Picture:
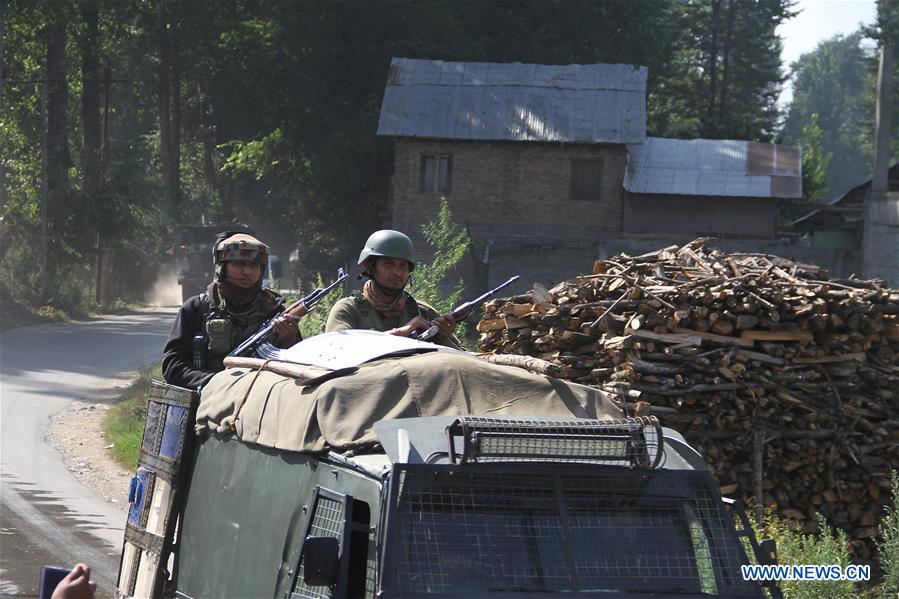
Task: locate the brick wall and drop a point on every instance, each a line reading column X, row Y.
column 516, row 186
column 516, row 194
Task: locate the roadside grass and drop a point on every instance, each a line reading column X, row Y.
column 124, row 422
column 14, row 315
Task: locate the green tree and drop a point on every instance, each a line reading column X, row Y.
column 828, row 87
column 814, row 162
column 725, row 76
column 814, row 170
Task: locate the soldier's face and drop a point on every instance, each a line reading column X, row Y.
column 391, row 273
column 242, row 273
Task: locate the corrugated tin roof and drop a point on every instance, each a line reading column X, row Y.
column 714, row 167
column 599, row 103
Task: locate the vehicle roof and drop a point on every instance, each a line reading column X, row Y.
column 338, row 412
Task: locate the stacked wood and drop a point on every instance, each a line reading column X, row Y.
column 787, row 381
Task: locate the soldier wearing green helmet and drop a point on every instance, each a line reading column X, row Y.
column 383, row 304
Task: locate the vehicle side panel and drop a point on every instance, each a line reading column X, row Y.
column 245, row 516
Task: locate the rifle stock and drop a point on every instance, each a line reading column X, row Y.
column 299, row 308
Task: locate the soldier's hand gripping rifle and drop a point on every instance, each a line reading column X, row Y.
column 299, row 308
column 462, row 311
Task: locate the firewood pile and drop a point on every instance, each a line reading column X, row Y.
column 785, row 380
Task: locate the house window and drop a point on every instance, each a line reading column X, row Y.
column 586, row 179
column 436, row 173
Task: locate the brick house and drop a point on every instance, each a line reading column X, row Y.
column 543, row 165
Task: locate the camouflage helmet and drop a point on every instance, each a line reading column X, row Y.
column 389, row 244
column 239, row 246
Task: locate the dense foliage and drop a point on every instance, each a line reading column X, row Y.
column 161, row 112
column 834, row 85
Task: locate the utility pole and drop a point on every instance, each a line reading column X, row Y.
column 882, row 118
column 881, row 225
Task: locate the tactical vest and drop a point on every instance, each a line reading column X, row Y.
column 225, row 330
column 371, row 319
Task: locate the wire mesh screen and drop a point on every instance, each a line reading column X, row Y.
column 635, row 442
column 553, row 532
column 327, row 521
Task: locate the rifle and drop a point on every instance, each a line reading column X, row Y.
column 463, row 310
column 299, row 308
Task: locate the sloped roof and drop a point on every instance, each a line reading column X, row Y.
column 598, row 103
column 830, row 217
column 714, row 167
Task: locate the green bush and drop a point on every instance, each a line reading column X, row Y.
column 888, row 546
column 823, row 548
column 314, row 322
column 449, row 243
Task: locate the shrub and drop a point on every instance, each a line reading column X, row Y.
column 823, row 548
column 888, row 546
column 450, row 244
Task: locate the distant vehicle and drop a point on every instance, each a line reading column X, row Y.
column 195, row 261
column 363, row 465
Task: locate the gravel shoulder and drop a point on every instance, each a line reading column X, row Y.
column 77, row 433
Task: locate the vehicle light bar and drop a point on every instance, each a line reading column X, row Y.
column 630, row 442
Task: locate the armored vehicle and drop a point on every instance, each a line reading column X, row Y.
column 358, row 464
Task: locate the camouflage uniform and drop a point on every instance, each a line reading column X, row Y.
column 355, row 312
column 223, row 324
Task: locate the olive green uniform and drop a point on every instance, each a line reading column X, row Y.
column 355, row 312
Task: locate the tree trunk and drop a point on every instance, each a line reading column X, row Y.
column 90, row 124
column 90, row 103
column 713, row 58
column 166, row 137
column 725, row 61
column 175, row 87
column 207, row 134
column 58, row 158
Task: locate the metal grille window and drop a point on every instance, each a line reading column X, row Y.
column 347, row 520
column 473, row 530
column 586, row 179
column 327, row 521
column 436, row 173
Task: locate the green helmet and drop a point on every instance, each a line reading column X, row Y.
column 389, row 244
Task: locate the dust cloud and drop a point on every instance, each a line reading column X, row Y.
column 165, row 291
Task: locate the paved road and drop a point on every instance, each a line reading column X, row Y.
column 46, row 515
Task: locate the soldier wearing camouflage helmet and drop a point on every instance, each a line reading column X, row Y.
column 384, row 305
column 208, row 326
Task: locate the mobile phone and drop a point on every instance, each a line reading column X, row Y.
column 50, row 577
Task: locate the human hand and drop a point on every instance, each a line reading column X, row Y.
column 76, row 585
column 446, row 326
column 286, row 328
column 416, row 324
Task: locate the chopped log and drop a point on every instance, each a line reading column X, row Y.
column 535, row 365
column 802, row 336
column 856, row 357
column 666, row 337
column 722, row 346
column 742, row 342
